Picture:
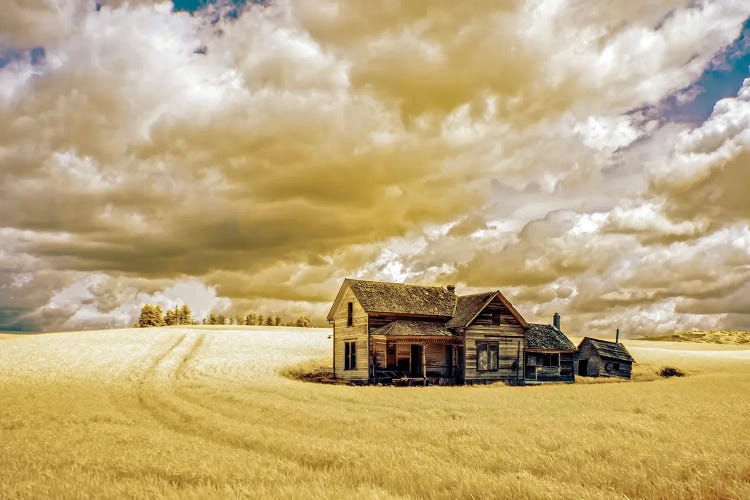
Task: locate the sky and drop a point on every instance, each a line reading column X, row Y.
column 586, row 159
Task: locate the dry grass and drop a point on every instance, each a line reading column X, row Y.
column 7, row 336
column 196, row 413
column 707, row 336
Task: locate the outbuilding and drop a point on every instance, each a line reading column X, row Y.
column 603, row 358
column 550, row 355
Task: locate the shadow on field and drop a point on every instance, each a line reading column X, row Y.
column 320, row 371
column 316, row 370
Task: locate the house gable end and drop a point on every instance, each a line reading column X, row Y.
column 497, row 295
column 338, row 300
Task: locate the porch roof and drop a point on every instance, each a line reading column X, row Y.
column 407, row 328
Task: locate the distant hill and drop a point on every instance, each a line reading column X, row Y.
column 706, row 337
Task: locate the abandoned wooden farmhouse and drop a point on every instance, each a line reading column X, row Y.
column 603, row 358
column 384, row 332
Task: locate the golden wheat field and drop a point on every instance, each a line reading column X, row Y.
column 202, row 412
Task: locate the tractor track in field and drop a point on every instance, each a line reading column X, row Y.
column 159, row 396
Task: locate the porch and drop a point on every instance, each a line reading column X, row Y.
column 549, row 366
column 416, row 360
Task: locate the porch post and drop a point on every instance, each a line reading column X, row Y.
column 424, row 363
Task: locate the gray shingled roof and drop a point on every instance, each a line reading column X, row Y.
column 547, row 337
column 398, row 298
column 407, row 328
column 608, row 349
column 467, row 307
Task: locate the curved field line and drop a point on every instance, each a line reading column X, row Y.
column 176, row 416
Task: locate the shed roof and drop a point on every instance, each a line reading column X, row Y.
column 399, row 298
column 608, row 349
column 547, row 337
column 408, row 328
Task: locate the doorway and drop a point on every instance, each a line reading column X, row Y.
column 416, row 360
column 583, row 367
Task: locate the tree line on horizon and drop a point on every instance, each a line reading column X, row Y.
column 154, row 315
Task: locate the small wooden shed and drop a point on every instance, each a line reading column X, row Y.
column 550, row 355
column 603, row 358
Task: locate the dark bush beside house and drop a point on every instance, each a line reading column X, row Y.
column 669, row 371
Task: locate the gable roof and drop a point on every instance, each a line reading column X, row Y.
column 399, row 298
column 468, row 307
column 608, row 349
column 408, row 328
column 547, row 337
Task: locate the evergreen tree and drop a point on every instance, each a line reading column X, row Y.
column 260, row 320
column 159, row 316
column 171, row 318
column 303, row 321
column 146, row 317
column 278, row 321
column 251, row 319
column 186, row 315
column 269, row 320
column 221, row 319
column 213, row 319
column 150, row 316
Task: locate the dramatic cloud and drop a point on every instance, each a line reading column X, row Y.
column 252, row 157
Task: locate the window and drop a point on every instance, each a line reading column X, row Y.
column 487, row 356
column 551, row 359
column 495, row 317
column 350, row 314
column 350, row 355
column 612, row 367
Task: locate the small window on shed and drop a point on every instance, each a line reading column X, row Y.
column 612, row 367
column 350, row 314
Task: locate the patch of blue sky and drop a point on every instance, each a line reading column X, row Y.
column 36, row 55
column 722, row 78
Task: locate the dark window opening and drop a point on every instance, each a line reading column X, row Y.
column 550, row 360
column 496, row 317
column 488, row 354
column 350, row 355
column 612, row 367
column 390, row 356
column 350, row 314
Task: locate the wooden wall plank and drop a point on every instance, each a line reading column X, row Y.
column 357, row 333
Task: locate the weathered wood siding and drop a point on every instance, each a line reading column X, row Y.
column 510, row 337
column 435, row 356
column 587, row 352
column 535, row 372
column 597, row 365
column 623, row 370
column 357, row 333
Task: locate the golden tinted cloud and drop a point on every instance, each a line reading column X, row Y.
column 270, row 154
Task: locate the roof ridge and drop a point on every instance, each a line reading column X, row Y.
column 477, row 293
column 397, row 283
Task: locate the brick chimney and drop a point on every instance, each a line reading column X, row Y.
column 556, row 321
